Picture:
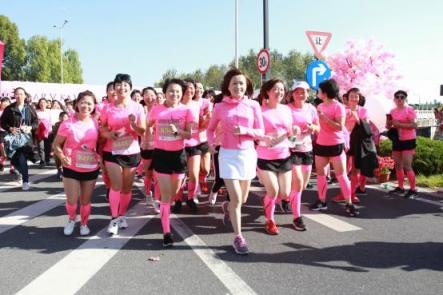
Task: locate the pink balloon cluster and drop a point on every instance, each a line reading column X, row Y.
column 364, row 64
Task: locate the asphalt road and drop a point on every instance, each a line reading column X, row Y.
column 395, row 246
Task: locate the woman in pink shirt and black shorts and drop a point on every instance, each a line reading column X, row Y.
column 330, row 146
column 75, row 145
column 242, row 123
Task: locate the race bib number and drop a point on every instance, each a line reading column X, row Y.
column 121, row 145
column 86, row 160
column 165, row 134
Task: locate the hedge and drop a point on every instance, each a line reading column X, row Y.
column 428, row 159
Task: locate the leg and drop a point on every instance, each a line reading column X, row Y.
column 270, row 182
column 114, row 172
column 86, row 190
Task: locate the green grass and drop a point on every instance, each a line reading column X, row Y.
column 433, row 181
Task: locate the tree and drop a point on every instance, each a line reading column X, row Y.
column 15, row 54
column 72, row 69
column 37, row 66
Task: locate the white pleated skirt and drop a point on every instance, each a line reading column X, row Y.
column 237, row 164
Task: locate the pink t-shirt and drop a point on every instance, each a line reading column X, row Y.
column 302, row 117
column 163, row 118
column 205, row 107
column 116, row 118
column 350, row 119
column 405, row 115
column 327, row 135
column 277, row 122
column 194, row 106
column 80, row 144
column 245, row 113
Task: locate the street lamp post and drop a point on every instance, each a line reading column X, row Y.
column 61, row 47
column 236, row 33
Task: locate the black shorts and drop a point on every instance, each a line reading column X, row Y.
column 328, row 150
column 146, row 154
column 126, row 161
column 169, row 162
column 302, row 158
column 80, row 176
column 404, row 145
column 278, row 166
column 197, row 150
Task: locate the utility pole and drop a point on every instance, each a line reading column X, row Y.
column 61, row 47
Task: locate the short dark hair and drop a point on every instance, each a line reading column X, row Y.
column 38, row 103
column 149, row 88
column 361, row 98
column 83, row 94
column 111, row 83
column 268, row 86
column 330, row 88
column 174, row 81
column 5, row 98
column 227, row 79
column 208, row 92
column 135, row 91
column 62, row 114
column 120, row 78
column 401, row 92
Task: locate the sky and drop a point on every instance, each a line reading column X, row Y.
column 146, row 38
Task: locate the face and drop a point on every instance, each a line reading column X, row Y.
column 190, row 90
column 136, row 97
column 122, row 89
column 149, row 97
column 20, row 95
column 4, row 104
column 277, row 92
column 69, row 106
column 160, row 98
column 353, row 99
column 237, row 86
column 42, row 104
column 400, row 100
column 300, row 94
column 322, row 95
column 110, row 93
column 199, row 90
column 64, row 118
column 86, row 105
column 56, row 105
column 173, row 94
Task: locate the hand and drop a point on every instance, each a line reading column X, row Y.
column 25, row 129
column 13, row 130
column 296, row 130
column 237, row 130
column 268, row 140
column 112, row 134
column 310, row 127
column 66, row 161
column 395, row 123
column 173, row 128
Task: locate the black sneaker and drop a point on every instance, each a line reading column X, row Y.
column 177, row 206
column 358, row 191
column 411, row 194
column 397, row 191
column 167, row 240
column 309, row 185
column 2, row 168
column 284, row 206
column 298, row 224
column 192, row 206
column 351, row 210
column 319, row 206
column 41, row 165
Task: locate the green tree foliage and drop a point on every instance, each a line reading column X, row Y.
column 38, row 59
column 287, row 68
column 14, row 53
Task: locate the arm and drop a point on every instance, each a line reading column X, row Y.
column 57, row 147
column 258, row 129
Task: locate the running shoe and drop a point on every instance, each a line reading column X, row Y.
column 411, row 194
column 192, row 206
column 319, row 206
column 156, row 205
column 397, row 191
column 359, row 191
column 113, row 226
column 298, row 224
column 26, row 186
column 355, row 199
column 338, row 198
column 122, row 222
column 84, row 230
column 69, row 227
column 177, row 206
column 271, row 228
column 204, row 187
column 212, row 198
column 167, row 240
column 240, row 246
column 351, row 210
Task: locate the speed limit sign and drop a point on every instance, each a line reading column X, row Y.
column 263, row 61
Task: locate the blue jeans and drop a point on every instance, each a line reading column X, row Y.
column 21, row 164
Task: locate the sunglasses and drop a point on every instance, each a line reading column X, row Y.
column 400, row 96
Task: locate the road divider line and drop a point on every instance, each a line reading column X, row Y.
column 221, row 270
column 330, row 221
column 33, row 178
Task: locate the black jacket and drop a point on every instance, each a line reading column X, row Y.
column 12, row 117
column 363, row 148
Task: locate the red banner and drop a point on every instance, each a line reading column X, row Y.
column 2, row 47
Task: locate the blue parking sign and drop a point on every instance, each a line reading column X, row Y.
column 316, row 72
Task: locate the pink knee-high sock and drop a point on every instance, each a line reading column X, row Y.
column 362, row 182
column 345, row 185
column 114, row 202
column 411, row 178
column 354, row 182
column 125, row 199
column 269, row 207
column 85, row 211
column 400, row 177
column 295, row 204
column 72, row 210
column 322, row 187
column 165, row 211
column 192, row 189
column 147, row 181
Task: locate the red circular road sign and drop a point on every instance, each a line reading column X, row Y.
column 263, row 61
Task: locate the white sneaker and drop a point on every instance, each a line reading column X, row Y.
column 26, row 186
column 156, row 205
column 212, row 198
column 148, row 196
column 69, row 227
column 113, row 226
column 84, row 230
column 122, row 222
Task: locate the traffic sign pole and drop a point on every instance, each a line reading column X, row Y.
column 266, row 76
